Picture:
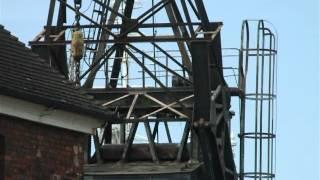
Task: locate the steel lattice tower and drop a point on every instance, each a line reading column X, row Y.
column 152, row 66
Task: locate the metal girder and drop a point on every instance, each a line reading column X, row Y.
column 141, row 26
column 145, row 16
column 97, row 147
column 184, row 141
column 200, row 69
column 97, row 64
column 154, row 106
column 194, row 9
column 158, row 63
column 121, row 98
column 102, row 45
column 51, row 12
column 202, row 14
column 169, row 94
column 113, row 10
column 132, row 133
column 168, row 132
column 188, row 18
column 150, row 120
column 169, row 56
column 151, row 142
column 166, row 106
column 210, row 142
column 89, row 19
column 131, row 39
column 122, row 126
column 201, row 116
column 179, row 31
column 120, row 50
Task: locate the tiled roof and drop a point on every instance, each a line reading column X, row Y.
column 24, row 75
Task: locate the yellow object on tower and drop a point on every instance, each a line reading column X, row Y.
column 77, row 45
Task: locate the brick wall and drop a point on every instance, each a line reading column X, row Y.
column 38, row 152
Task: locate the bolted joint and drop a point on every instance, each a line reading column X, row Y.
column 201, row 123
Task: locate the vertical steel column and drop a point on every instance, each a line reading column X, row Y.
column 201, row 60
column 202, row 89
column 51, row 12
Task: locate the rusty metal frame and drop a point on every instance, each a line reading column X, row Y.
column 207, row 124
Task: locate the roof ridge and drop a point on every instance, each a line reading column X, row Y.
column 15, row 38
column 35, row 55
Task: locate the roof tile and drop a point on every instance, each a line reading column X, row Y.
column 24, row 75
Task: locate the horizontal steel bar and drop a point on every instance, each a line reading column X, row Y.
column 135, row 120
column 136, row 39
column 188, row 89
column 146, row 25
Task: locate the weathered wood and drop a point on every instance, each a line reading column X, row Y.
column 143, row 170
column 141, row 152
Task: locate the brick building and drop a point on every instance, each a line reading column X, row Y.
column 44, row 120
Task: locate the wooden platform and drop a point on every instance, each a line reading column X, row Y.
column 143, row 171
column 141, row 152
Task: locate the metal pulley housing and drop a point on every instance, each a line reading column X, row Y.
column 77, row 45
